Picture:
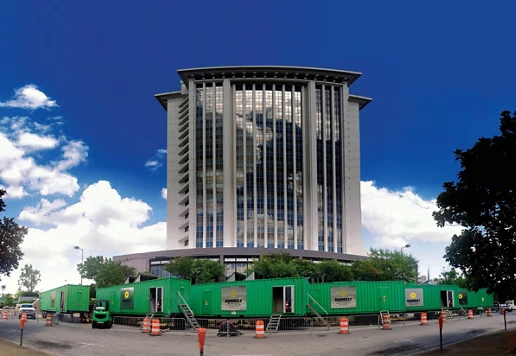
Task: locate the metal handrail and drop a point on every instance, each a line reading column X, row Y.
column 320, row 306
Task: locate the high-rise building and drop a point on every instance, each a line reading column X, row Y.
column 264, row 157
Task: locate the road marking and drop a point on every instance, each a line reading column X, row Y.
column 13, row 331
column 85, row 344
column 255, row 355
column 405, row 340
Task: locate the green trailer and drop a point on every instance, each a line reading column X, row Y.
column 426, row 297
column 160, row 297
column 251, row 299
column 67, row 299
column 357, row 297
column 475, row 300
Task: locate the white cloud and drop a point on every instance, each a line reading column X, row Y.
column 164, row 193
column 395, row 218
column 29, row 97
column 36, row 142
column 154, row 162
column 74, row 153
column 102, row 223
column 20, row 139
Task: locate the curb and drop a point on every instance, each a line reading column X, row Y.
column 30, row 347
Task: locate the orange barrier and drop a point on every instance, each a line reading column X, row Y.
column 4, row 315
column 344, row 326
column 443, row 316
column 470, row 314
column 489, row 312
column 424, row 319
column 146, row 326
column 386, row 322
column 48, row 321
column 155, row 328
column 24, row 316
column 260, row 330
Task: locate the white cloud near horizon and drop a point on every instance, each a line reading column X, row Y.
column 29, row 97
column 164, row 193
column 395, row 218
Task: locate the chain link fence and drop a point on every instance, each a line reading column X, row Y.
column 286, row 324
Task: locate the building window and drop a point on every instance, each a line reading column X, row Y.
column 186, row 242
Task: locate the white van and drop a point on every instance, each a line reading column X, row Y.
column 509, row 305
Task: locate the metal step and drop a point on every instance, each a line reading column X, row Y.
column 319, row 316
column 188, row 313
column 274, row 322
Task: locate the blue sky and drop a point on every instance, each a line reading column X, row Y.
column 439, row 74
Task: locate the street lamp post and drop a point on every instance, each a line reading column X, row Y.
column 406, row 246
column 82, row 257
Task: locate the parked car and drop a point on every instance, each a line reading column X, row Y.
column 29, row 309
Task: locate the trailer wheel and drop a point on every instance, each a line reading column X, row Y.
column 93, row 325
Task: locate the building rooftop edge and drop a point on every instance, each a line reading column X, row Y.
column 349, row 76
column 361, row 100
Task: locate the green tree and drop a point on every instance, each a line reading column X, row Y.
column 29, row 278
column 482, row 200
column 304, row 268
column 204, row 271
column 181, row 267
column 91, row 266
column 275, row 265
column 104, row 271
column 11, row 238
column 9, row 300
column 385, row 265
column 333, row 271
column 453, row 277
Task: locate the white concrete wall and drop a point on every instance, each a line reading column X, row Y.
column 353, row 214
column 173, row 186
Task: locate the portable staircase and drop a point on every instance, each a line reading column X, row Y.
column 449, row 314
column 380, row 316
column 318, row 316
column 274, row 322
column 462, row 311
column 188, row 313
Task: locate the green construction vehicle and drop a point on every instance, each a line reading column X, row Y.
column 101, row 315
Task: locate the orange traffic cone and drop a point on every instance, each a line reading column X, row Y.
column 48, row 321
column 146, row 326
column 386, row 322
column 155, row 328
column 344, row 326
column 260, row 330
column 424, row 321
column 470, row 314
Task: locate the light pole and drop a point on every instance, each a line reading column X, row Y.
column 82, row 257
column 406, row 246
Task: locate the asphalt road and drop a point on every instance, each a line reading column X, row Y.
column 82, row 340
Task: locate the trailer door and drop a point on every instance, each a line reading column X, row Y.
column 206, row 302
column 288, row 299
column 450, row 300
column 62, row 301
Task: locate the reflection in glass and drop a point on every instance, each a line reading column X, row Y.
column 269, row 165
